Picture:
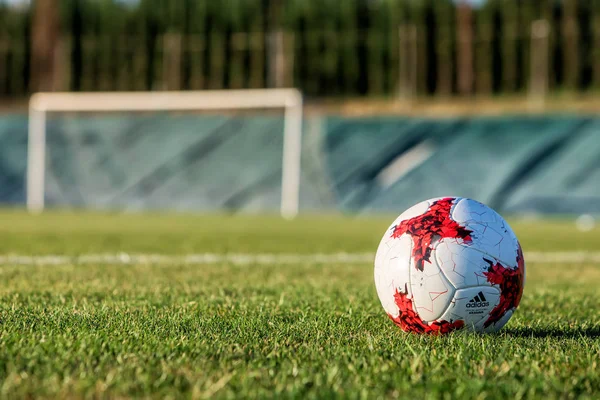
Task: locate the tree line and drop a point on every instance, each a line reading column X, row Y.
column 325, row 47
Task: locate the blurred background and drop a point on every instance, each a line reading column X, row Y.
column 404, row 100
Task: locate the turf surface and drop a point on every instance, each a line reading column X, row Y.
column 305, row 330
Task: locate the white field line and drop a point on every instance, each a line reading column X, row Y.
column 250, row 259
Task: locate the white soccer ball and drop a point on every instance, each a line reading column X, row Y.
column 449, row 263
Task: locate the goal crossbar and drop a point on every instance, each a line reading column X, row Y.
column 290, row 100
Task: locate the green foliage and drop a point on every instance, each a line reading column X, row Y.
column 361, row 59
column 293, row 330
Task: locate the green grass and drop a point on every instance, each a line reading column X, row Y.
column 305, row 330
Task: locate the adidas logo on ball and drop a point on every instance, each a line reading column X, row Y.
column 478, row 301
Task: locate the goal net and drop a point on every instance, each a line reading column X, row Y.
column 166, row 150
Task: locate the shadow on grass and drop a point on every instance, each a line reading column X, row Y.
column 563, row 333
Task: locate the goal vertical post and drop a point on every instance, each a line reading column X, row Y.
column 291, row 166
column 36, row 160
column 288, row 99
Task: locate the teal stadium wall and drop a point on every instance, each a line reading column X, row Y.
column 535, row 164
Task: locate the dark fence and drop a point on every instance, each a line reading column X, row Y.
column 533, row 164
column 324, row 47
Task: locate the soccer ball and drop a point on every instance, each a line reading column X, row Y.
column 449, row 263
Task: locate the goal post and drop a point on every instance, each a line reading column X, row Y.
column 290, row 100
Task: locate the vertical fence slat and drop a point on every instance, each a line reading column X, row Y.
column 3, row 66
column 313, row 82
column 257, row 59
column 375, row 63
column 526, row 18
column 106, row 79
column 538, row 81
column 197, row 49
column 420, row 50
column 172, row 54
column 444, row 46
column 394, row 18
column 349, row 43
column 217, row 60
column 509, row 42
column 570, row 34
column 157, row 73
column 20, row 66
column 464, row 30
column 276, row 55
column 238, row 47
column 62, row 69
column 330, row 58
column 140, row 68
column 595, row 56
column 375, row 47
column 409, row 62
column 88, row 46
column 548, row 15
column 483, row 52
column 290, row 60
column 123, row 78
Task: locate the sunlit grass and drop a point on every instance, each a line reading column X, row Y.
column 304, row 330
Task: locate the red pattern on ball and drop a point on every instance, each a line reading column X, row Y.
column 435, row 222
column 410, row 321
column 511, row 286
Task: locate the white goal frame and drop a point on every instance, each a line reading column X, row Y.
column 288, row 99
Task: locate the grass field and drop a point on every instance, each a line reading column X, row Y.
column 293, row 329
